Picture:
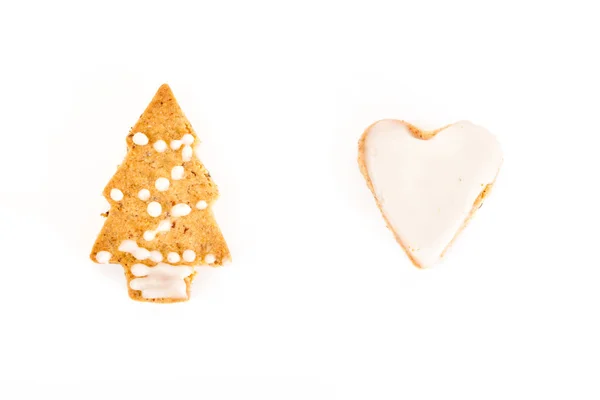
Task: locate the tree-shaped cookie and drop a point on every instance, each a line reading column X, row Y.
column 160, row 224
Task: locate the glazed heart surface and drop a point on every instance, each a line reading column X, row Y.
column 427, row 184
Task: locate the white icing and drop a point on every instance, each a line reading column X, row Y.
column 427, row 188
column 177, row 173
column 201, row 205
column 149, row 235
column 116, row 194
column 163, row 226
column 160, row 146
column 156, row 256
column 144, row 194
column 103, row 257
column 209, row 259
column 180, row 210
column 173, row 257
column 140, row 269
column 141, row 253
column 162, row 184
column 176, row 144
column 131, row 247
column 187, row 153
column 154, row 209
column 161, row 281
column 189, row 255
column 140, row 139
column 128, row 246
column 187, row 139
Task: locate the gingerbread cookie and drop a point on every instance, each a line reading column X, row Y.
column 160, row 225
column 428, row 184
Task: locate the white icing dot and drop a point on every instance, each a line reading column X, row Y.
column 156, row 256
column 177, row 173
column 201, row 205
column 140, row 139
column 141, row 253
column 160, row 146
column 187, row 139
column 116, row 195
column 189, row 255
column 181, row 209
column 128, row 246
column 139, row 270
column 149, row 235
column 154, row 209
column 162, row 184
column 186, row 153
column 103, row 257
column 136, row 284
column 176, row 144
column 144, row 194
column 209, row 259
column 164, row 226
column 173, row 257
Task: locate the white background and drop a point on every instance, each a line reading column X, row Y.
column 319, row 302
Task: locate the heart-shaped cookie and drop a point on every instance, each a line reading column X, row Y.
column 428, row 184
